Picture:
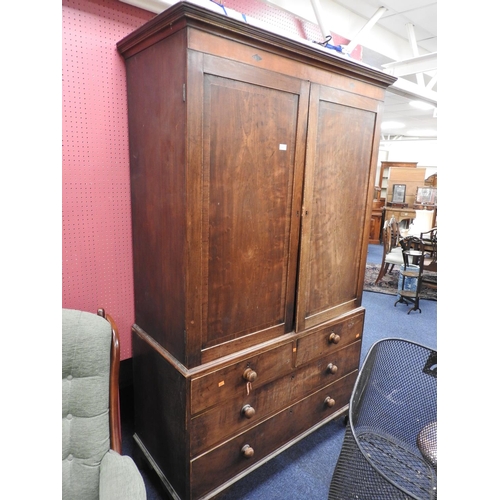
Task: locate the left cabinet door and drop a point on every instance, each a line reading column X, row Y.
column 247, row 204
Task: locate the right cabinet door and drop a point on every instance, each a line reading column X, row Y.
column 339, row 161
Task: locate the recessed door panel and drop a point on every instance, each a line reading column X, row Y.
column 248, row 191
column 339, row 157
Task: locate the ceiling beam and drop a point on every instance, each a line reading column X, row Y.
column 320, row 18
column 155, row 6
column 356, row 40
column 412, row 90
column 410, row 29
column 432, row 82
column 415, row 65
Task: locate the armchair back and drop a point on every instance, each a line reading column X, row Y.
column 86, row 362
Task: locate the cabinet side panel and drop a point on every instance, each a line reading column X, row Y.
column 155, row 78
column 160, row 409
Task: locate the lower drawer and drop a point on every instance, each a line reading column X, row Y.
column 245, row 410
column 214, row 468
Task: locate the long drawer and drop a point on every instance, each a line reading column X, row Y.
column 212, row 469
column 244, row 411
column 328, row 339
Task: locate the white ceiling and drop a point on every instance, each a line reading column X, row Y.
column 406, row 31
column 422, row 14
column 400, row 31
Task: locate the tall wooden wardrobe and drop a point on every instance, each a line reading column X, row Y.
column 252, row 160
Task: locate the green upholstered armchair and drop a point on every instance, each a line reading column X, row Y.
column 92, row 464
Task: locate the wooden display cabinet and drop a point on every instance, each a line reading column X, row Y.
column 384, row 174
column 247, row 150
column 411, row 178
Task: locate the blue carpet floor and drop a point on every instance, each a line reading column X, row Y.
column 304, row 471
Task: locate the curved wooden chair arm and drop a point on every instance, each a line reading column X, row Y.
column 430, row 239
column 431, row 232
column 115, row 430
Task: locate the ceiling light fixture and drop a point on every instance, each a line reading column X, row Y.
column 422, row 133
column 422, row 105
column 387, row 125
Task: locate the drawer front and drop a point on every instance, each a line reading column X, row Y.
column 217, row 424
column 238, row 414
column 221, row 464
column 325, row 370
column 326, row 340
column 229, row 382
column 407, row 213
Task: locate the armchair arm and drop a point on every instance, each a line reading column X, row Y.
column 429, row 235
column 115, row 427
column 120, row 478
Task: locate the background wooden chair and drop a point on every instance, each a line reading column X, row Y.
column 410, row 275
column 395, row 233
column 391, row 255
column 429, row 240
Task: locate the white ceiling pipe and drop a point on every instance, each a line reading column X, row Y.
column 419, row 64
column 320, row 17
column 414, row 47
column 432, row 82
column 155, row 6
column 365, row 29
column 412, row 90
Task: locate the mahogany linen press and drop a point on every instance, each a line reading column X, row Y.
column 252, row 163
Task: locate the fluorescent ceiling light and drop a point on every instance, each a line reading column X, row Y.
column 421, row 105
column 422, row 133
column 386, row 125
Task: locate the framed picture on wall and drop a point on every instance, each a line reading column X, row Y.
column 426, row 196
column 398, row 193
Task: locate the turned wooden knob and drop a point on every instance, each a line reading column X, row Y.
column 334, row 338
column 330, row 402
column 249, row 375
column 332, row 368
column 247, row 411
column 247, row 451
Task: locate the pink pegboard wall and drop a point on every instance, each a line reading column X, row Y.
column 96, row 233
column 96, row 236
